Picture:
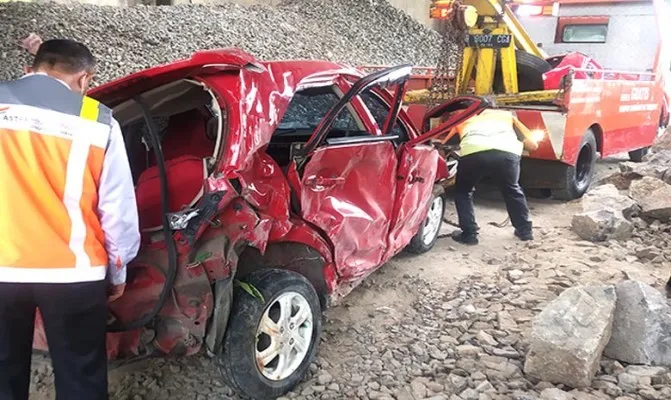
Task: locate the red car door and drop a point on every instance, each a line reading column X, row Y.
column 417, row 170
column 348, row 184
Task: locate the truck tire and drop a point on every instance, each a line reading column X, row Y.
column 637, row 155
column 530, row 70
column 287, row 313
column 428, row 232
column 578, row 177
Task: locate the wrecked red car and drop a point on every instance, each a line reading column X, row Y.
column 266, row 192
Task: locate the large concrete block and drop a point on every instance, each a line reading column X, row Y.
column 654, row 197
column 569, row 335
column 641, row 327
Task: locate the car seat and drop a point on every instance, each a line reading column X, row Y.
column 186, row 135
column 186, row 175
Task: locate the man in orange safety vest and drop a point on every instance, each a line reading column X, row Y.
column 68, row 224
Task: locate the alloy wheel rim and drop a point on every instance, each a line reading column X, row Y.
column 433, row 220
column 284, row 336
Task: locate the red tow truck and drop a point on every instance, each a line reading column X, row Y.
column 579, row 109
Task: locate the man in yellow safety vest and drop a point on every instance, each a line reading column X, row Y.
column 491, row 146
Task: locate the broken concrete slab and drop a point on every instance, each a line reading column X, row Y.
column 656, row 168
column 608, row 197
column 654, row 197
column 556, row 394
column 663, row 142
column 641, row 327
column 569, row 335
column 598, row 226
column 606, row 214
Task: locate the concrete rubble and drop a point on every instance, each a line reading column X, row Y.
column 570, row 334
column 127, row 39
column 634, row 202
column 642, row 326
column 654, row 197
column 606, row 215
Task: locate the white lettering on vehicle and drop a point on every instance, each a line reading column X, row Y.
column 637, row 94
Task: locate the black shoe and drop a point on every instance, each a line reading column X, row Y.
column 464, row 238
column 525, row 237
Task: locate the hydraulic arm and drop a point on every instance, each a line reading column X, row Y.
column 478, row 36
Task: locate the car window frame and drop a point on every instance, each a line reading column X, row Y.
column 397, row 75
column 339, row 93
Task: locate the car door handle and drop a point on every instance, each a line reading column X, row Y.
column 323, row 182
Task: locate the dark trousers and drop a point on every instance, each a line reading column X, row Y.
column 74, row 317
column 504, row 169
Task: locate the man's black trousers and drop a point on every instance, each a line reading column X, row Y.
column 74, row 317
column 504, row 169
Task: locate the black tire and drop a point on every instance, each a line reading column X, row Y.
column 237, row 361
column 578, row 178
column 418, row 244
column 638, row 155
column 530, row 70
column 664, row 120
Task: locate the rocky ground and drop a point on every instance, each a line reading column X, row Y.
column 128, row 39
column 452, row 324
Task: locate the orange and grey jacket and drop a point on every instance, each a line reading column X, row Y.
column 67, row 203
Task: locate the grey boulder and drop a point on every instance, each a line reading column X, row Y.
column 654, row 197
column 642, row 326
column 569, row 335
column 605, row 215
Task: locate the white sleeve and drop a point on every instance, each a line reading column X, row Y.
column 117, row 208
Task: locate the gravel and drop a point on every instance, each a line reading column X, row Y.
column 127, row 39
column 392, row 358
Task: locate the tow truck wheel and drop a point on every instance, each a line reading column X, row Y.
column 428, row 232
column 637, row 155
column 664, row 119
column 272, row 334
column 578, row 178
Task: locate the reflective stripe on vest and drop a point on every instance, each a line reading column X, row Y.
column 490, row 130
column 52, row 148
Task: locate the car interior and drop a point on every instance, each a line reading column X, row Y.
column 189, row 123
column 306, row 110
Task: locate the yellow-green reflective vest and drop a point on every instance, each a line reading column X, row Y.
column 490, row 130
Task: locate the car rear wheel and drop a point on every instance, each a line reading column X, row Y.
column 428, row 232
column 272, row 337
column 578, row 177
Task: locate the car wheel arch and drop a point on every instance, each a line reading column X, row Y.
column 597, row 130
column 292, row 256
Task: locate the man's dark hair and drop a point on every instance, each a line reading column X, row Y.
column 65, row 55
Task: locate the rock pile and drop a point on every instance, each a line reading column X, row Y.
column 633, row 199
column 606, row 214
column 629, row 322
column 128, row 39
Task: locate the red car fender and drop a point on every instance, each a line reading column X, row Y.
column 442, row 173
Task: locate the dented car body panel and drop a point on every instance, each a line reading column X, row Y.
column 333, row 200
